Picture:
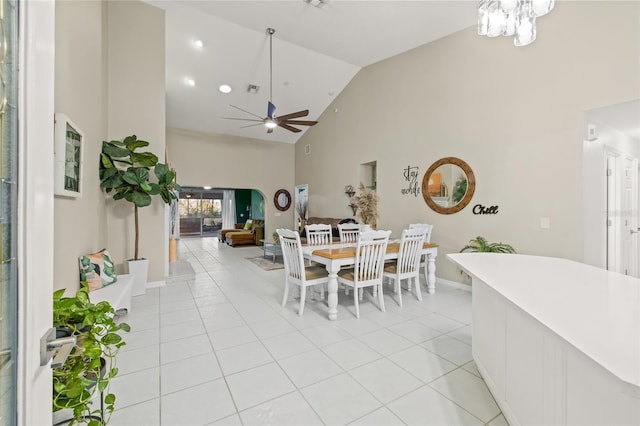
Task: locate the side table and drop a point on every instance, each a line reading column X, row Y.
column 271, row 247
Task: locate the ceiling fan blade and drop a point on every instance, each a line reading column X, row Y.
column 241, row 119
column 250, row 125
column 271, row 109
column 244, row 110
column 289, row 128
column 300, row 122
column 298, row 114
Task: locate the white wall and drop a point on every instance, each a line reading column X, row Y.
column 224, row 161
column 80, row 83
column 515, row 115
column 136, row 105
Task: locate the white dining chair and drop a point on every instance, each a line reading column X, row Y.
column 318, row 234
column 348, row 232
column 407, row 266
column 427, row 239
column 368, row 267
column 295, row 270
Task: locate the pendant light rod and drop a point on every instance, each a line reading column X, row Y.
column 270, row 31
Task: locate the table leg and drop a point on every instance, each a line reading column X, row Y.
column 431, row 274
column 332, row 292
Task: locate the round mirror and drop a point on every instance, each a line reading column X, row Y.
column 448, row 185
column 282, row 200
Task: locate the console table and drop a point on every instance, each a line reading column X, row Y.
column 556, row 341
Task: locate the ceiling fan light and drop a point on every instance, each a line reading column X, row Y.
column 270, row 124
column 224, row 88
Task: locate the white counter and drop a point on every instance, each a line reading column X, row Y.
column 560, row 311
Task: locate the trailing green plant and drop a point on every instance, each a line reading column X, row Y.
column 90, row 366
column 126, row 172
column 481, row 245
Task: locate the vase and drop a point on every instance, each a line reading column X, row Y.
column 140, row 271
column 303, row 222
column 173, row 249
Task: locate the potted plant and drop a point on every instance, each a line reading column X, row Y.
column 90, row 366
column 481, row 245
column 366, row 205
column 126, row 172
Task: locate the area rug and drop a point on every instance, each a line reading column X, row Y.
column 266, row 263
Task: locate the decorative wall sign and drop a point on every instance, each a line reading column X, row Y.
column 67, row 157
column 480, row 209
column 410, row 174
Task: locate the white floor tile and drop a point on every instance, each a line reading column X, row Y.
column 287, row 345
column 450, row 349
column 357, row 326
column 272, row 327
column 243, row 357
column 230, row 337
column 463, row 334
column 290, row 409
column 181, row 331
column 189, row 372
column 233, row 420
column 140, row 322
column 137, row 387
column 143, row 414
column 498, row 421
column 472, row 368
column 423, row 364
column 439, row 322
column 258, row 385
column 468, row 391
column 179, row 317
column 137, row 359
column 340, row 400
column 176, row 350
column 140, row 339
column 324, row 335
column 198, row 405
column 385, row 380
column 425, row 406
column 309, row 367
column 349, row 354
column 381, row 417
column 385, row 341
column 414, row 331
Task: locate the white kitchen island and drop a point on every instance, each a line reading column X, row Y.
column 557, row 341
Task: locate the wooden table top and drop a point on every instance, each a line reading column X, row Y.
column 347, row 252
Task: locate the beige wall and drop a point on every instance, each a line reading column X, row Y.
column 136, row 105
column 515, row 115
column 110, row 82
column 80, row 223
column 225, row 161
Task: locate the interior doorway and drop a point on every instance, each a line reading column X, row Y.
column 611, row 188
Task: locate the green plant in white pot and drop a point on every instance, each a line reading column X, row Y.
column 126, row 172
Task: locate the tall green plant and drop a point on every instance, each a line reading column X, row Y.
column 90, row 366
column 126, row 172
column 480, row 244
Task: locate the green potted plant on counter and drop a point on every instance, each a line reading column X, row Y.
column 481, row 245
column 90, row 366
column 126, row 172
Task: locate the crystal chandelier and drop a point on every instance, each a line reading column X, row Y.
column 512, row 18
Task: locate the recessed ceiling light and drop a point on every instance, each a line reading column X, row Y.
column 207, row 187
column 198, row 44
column 190, row 82
column 225, row 88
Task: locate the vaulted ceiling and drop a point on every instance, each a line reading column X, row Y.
column 317, row 49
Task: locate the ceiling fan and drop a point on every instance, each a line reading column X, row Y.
column 271, row 121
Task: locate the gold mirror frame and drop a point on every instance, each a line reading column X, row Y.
column 471, row 186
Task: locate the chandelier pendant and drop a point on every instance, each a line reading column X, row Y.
column 512, row 18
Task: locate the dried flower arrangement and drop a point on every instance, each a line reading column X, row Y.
column 367, row 205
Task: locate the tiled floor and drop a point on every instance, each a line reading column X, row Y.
column 215, row 346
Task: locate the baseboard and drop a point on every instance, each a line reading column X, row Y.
column 454, row 284
column 154, row 284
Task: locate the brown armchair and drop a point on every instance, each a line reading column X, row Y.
column 241, row 236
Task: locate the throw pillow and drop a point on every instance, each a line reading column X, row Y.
column 97, row 270
column 247, row 225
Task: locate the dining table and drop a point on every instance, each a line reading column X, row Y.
column 338, row 255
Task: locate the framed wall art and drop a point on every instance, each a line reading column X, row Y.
column 68, row 150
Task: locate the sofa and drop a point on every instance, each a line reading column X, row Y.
column 240, row 235
column 325, row 220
